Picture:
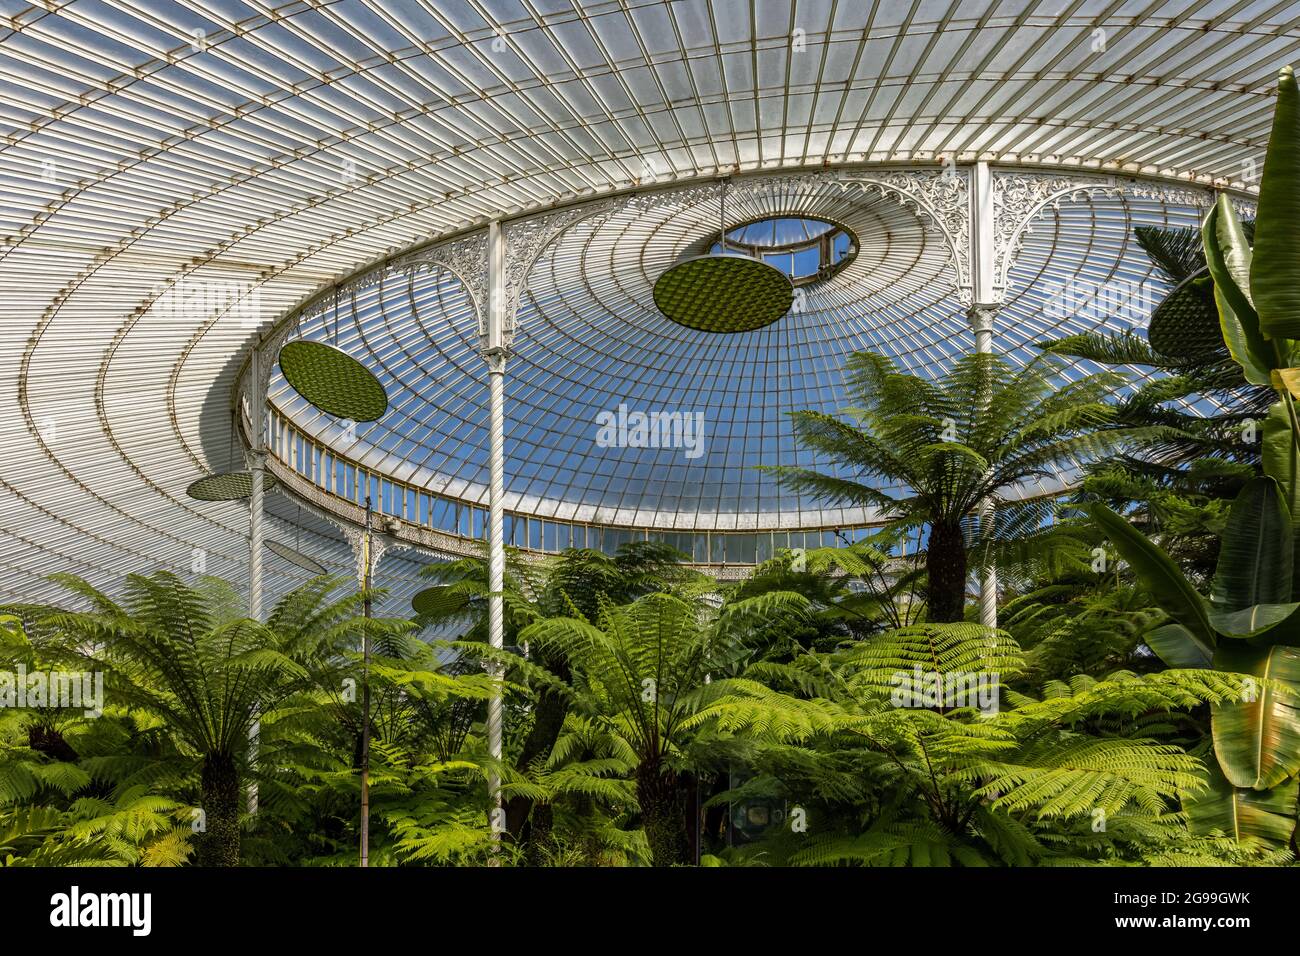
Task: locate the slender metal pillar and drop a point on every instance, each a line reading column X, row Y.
column 367, row 551
column 982, row 322
column 495, row 353
column 256, row 546
column 985, row 296
column 496, row 562
column 366, row 567
column 257, row 470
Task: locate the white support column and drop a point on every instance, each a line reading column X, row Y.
column 256, row 534
column 256, row 546
column 982, row 323
column 257, row 470
column 982, row 259
column 495, row 352
column 985, row 300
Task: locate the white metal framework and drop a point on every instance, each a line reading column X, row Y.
column 179, row 176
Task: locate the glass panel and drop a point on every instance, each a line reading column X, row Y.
column 741, row 548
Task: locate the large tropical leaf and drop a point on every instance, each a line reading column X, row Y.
column 1256, row 550
column 1253, row 621
column 1290, row 378
column 1282, row 462
column 1229, row 257
column 1267, row 815
column 1243, row 350
column 1275, row 270
column 1257, row 740
column 1280, row 457
column 1167, row 584
column 1179, row 647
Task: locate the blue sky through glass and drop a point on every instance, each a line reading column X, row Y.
column 796, row 242
column 590, row 342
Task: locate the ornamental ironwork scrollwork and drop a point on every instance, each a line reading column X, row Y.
column 465, row 257
column 1019, row 197
column 525, row 241
column 357, row 540
column 941, row 197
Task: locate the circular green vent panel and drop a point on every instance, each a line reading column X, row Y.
column 1185, row 324
column 724, row 293
column 226, row 486
column 333, row 381
column 295, row 557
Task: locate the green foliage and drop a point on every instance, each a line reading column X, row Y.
column 1275, row 270
column 955, row 444
column 1077, row 774
column 1141, row 712
column 1085, row 625
column 795, row 675
column 1243, row 629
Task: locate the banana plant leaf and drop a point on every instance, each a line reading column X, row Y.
column 1281, row 460
column 1179, row 647
column 1232, row 250
column 1267, row 815
column 1290, row 378
column 1254, row 365
column 1255, row 621
column 1257, row 741
column 1275, row 269
column 1256, row 550
column 1167, row 584
column 1228, row 256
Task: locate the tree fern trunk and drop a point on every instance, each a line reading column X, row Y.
column 540, row 827
column 945, row 564
column 47, row 740
column 548, row 719
column 715, row 817
column 663, row 814
column 220, row 790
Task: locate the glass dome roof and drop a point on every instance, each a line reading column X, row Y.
column 265, row 150
column 591, row 345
